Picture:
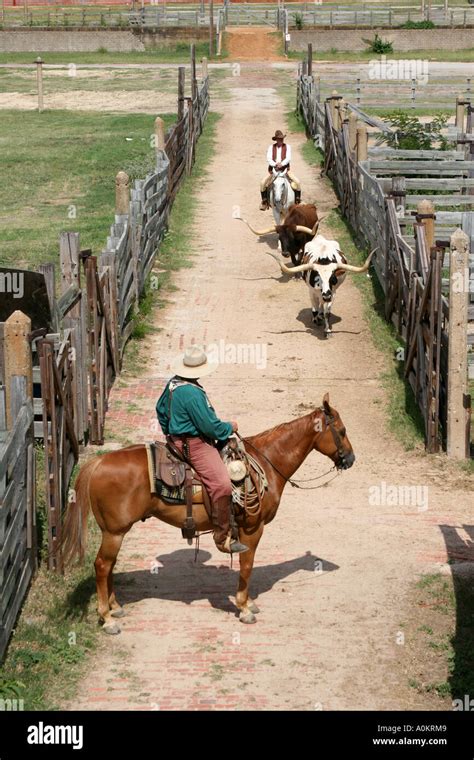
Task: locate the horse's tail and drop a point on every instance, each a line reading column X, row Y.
column 74, row 529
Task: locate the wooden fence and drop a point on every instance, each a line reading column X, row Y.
column 153, row 16
column 55, row 386
column 418, row 250
column 17, row 472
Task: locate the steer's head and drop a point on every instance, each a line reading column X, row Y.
column 325, row 274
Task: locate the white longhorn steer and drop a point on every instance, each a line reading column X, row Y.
column 324, row 269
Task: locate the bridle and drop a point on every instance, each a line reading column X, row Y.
column 330, row 420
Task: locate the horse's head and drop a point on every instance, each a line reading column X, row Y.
column 280, row 190
column 331, row 437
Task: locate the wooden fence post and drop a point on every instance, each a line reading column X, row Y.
column 122, row 193
column 361, row 142
column 48, row 272
column 352, row 132
column 193, row 72
column 425, row 213
column 17, row 357
column 159, row 136
column 341, row 113
column 211, row 28
column 70, row 263
column 458, row 411
column 399, row 192
column 204, row 71
column 460, row 113
column 181, row 79
column 310, row 59
column 332, row 105
column 39, row 82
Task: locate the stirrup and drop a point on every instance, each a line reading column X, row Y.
column 231, row 546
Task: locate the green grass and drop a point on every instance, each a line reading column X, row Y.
column 363, row 56
column 447, row 604
column 61, row 168
column 171, row 53
column 57, row 630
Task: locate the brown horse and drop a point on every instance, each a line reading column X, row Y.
column 116, row 486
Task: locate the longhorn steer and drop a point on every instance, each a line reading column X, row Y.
column 298, row 227
column 324, row 267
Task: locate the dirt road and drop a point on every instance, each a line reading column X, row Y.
column 327, row 634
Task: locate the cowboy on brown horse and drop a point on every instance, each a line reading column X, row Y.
column 278, row 157
column 188, row 419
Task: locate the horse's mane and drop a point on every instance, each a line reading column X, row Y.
column 278, row 427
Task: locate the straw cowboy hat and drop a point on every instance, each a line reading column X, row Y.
column 194, row 363
column 278, row 135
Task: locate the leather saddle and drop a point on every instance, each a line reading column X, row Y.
column 177, row 483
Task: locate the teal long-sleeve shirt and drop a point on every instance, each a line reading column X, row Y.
column 191, row 413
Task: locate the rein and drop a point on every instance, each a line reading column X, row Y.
column 295, row 483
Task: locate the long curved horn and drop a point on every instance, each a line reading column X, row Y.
column 302, row 228
column 289, row 270
column 316, row 225
column 257, row 232
column 312, row 232
column 357, row 270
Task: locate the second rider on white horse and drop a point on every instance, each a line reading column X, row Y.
column 278, row 159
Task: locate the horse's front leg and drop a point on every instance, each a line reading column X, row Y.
column 246, row 605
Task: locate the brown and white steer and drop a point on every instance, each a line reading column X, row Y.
column 324, row 268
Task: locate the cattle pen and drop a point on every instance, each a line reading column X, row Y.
column 401, row 202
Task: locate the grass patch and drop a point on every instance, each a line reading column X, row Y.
column 176, row 53
column 440, row 639
column 364, row 56
column 57, row 630
column 61, row 167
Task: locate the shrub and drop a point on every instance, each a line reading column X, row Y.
column 299, row 21
column 426, row 24
column 378, row 45
column 412, row 134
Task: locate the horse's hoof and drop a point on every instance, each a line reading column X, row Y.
column 111, row 628
column 253, row 608
column 118, row 613
column 247, row 617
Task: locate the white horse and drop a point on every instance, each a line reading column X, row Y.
column 281, row 195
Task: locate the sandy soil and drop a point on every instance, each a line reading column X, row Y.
column 324, row 640
column 142, row 101
column 252, row 43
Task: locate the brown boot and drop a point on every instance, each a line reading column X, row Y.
column 222, row 533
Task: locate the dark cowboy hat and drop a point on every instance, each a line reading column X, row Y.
column 278, row 135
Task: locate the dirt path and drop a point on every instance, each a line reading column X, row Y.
column 253, row 44
column 324, row 640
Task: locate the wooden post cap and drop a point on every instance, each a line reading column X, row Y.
column 122, row 193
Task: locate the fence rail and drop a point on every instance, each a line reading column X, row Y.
column 417, row 247
column 300, row 15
